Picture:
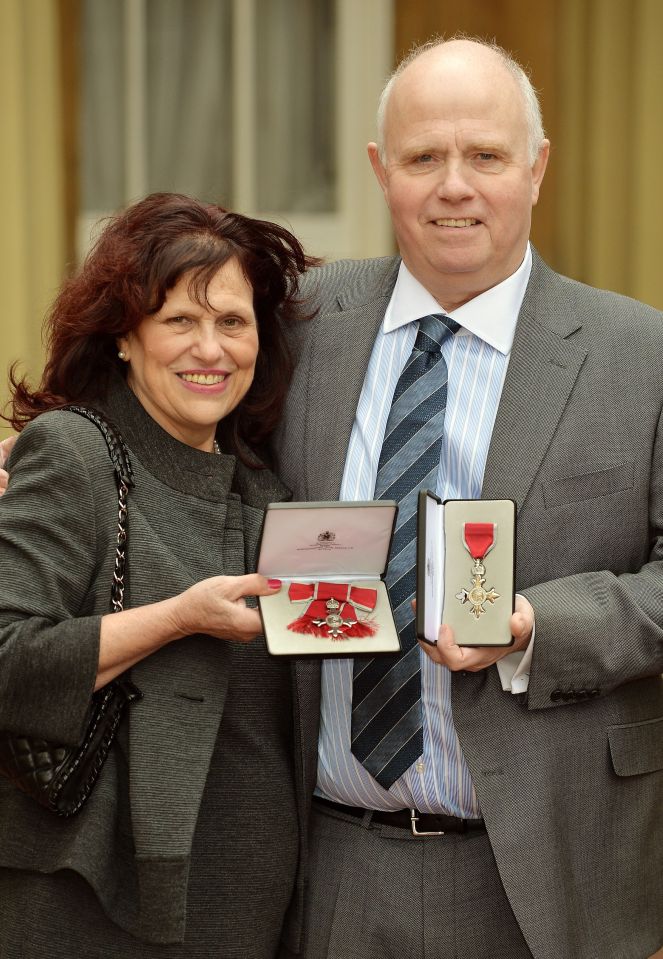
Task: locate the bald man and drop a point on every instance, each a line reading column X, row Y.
column 513, row 805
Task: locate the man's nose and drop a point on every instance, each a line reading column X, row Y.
column 455, row 182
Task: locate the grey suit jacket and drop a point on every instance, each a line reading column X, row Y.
column 570, row 776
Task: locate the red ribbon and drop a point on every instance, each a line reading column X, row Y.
column 317, row 594
column 359, row 595
column 479, row 538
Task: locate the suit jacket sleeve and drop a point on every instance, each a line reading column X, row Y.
column 597, row 630
column 578, row 442
column 49, row 556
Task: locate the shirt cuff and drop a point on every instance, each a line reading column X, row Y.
column 514, row 669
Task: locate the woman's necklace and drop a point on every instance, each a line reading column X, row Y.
column 216, row 448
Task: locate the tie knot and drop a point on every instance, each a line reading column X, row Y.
column 433, row 330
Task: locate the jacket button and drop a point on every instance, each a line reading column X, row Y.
column 568, row 695
column 556, row 695
column 595, row 692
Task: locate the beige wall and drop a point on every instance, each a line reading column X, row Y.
column 609, row 223
column 596, row 64
column 31, row 179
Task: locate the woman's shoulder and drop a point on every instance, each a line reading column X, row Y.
column 60, row 477
column 61, row 442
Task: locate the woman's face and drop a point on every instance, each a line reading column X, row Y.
column 191, row 364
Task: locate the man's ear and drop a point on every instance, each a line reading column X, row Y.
column 378, row 168
column 538, row 170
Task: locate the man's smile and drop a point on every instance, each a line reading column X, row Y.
column 457, row 222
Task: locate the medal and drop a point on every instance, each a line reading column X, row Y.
column 332, row 610
column 334, row 621
column 479, row 539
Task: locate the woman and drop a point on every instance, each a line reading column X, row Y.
column 187, row 846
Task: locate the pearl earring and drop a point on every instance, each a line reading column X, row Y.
column 122, row 354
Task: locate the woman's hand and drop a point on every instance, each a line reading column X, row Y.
column 6, row 446
column 215, row 606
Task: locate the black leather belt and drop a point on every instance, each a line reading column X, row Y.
column 419, row 823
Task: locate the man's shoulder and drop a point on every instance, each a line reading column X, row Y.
column 588, row 303
column 350, row 278
column 593, row 296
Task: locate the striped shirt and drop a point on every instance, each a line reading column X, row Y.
column 477, row 358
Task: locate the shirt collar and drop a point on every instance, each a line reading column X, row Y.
column 491, row 316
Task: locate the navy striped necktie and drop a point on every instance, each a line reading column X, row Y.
column 386, row 692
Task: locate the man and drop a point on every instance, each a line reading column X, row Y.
column 546, row 774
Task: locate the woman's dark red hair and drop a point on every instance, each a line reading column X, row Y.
column 140, row 255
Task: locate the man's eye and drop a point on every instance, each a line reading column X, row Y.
column 486, row 156
column 424, row 158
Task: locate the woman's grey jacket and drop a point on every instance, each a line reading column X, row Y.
column 191, row 515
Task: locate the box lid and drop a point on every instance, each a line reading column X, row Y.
column 349, row 539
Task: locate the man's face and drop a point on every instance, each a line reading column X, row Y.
column 457, row 175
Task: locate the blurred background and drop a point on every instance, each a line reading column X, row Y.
column 266, row 106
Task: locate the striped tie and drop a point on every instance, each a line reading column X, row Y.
column 386, row 693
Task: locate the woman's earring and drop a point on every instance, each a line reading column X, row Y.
column 122, row 354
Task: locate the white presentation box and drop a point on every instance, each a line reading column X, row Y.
column 465, row 569
column 331, row 559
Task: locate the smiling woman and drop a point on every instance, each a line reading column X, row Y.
column 174, row 330
column 164, row 260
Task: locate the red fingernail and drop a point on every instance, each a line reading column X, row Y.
column 274, row 583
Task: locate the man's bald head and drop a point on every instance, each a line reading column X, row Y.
column 461, row 162
column 468, row 49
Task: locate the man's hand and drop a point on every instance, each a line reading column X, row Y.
column 6, row 446
column 473, row 658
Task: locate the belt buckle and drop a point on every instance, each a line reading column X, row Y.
column 414, row 819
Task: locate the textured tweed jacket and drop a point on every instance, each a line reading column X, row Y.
column 570, row 776
column 190, row 516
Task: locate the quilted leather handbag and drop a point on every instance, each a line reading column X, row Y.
column 58, row 777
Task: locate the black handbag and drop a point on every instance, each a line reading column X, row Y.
column 61, row 778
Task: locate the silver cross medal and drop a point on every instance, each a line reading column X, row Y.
column 333, row 621
column 477, row 595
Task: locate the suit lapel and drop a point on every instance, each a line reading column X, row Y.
column 543, row 367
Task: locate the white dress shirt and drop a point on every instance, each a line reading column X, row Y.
column 477, row 358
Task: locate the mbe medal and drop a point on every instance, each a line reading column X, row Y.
column 336, row 625
column 479, row 539
column 331, row 611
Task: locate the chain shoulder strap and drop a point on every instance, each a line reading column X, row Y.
column 121, row 461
